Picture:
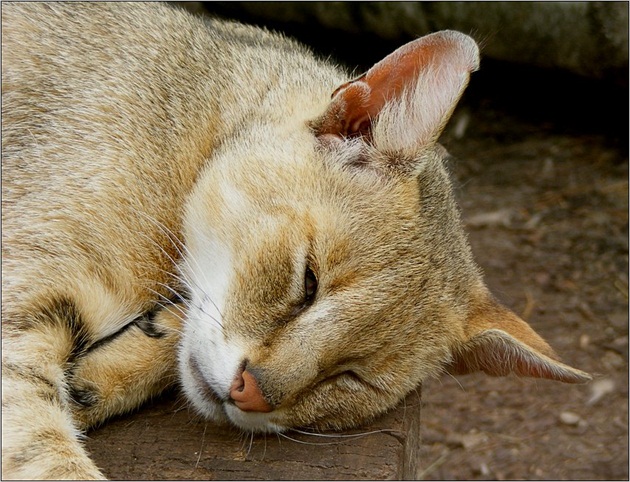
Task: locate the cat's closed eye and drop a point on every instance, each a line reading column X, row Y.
column 310, row 287
column 310, row 291
column 344, row 378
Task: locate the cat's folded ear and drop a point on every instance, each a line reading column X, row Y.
column 498, row 343
column 403, row 102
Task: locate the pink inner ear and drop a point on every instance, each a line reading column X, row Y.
column 388, row 78
column 356, row 103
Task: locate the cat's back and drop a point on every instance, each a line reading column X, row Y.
column 117, row 78
column 139, row 89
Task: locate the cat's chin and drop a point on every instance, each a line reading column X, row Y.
column 209, row 410
column 228, row 413
column 251, row 421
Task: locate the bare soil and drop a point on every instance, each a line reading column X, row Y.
column 547, row 216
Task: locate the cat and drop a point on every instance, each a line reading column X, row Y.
column 198, row 202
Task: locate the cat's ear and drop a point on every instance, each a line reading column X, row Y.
column 498, row 343
column 403, row 102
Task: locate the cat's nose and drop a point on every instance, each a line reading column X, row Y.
column 247, row 395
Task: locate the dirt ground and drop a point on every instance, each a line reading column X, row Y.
column 540, row 165
column 547, row 216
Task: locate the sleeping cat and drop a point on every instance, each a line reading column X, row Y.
column 205, row 203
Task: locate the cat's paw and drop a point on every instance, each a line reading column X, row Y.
column 120, row 373
column 90, row 405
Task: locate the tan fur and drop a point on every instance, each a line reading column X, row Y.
column 166, row 184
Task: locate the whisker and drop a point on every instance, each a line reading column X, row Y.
column 196, row 274
column 203, row 439
column 251, row 443
column 212, row 318
column 166, row 299
column 456, row 381
column 186, row 281
column 177, row 243
column 168, row 304
column 176, row 303
column 264, row 447
column 162, row 227
column 181, row 301
column 353, row 435
column 202, row 272
column 186, row 303
column 181, row 278
column 306, row 443
column 181, row 402
column 174, row 330
column 182, row 281
column 186, row 257
column 192, row 258
column 215, row 306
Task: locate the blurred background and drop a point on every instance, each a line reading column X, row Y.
column 569, row 59
column 589, row 38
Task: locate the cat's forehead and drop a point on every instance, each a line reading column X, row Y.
column 296, row 179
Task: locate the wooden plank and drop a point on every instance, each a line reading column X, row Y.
column 164, row 441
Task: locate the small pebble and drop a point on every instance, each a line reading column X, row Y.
column 461, row 125
column 569, row 418
column 599, row 389
column 502, row 217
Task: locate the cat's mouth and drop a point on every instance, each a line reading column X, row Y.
column 208, row 392
column 213, row 404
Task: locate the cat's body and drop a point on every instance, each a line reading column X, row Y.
column 181, row 192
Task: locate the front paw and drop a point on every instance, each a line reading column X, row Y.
column 89, row 407
column 118, row 375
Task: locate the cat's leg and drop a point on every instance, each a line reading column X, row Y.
column 120, row 373
column 40, row 439
column 53, row 387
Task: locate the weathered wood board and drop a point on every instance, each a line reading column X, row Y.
column 164, row 441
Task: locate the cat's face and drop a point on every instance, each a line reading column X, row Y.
column 326, row 263
column 321, row 279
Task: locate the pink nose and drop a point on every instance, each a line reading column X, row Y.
column 247, row 395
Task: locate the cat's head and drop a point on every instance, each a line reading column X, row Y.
column 328, row 269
